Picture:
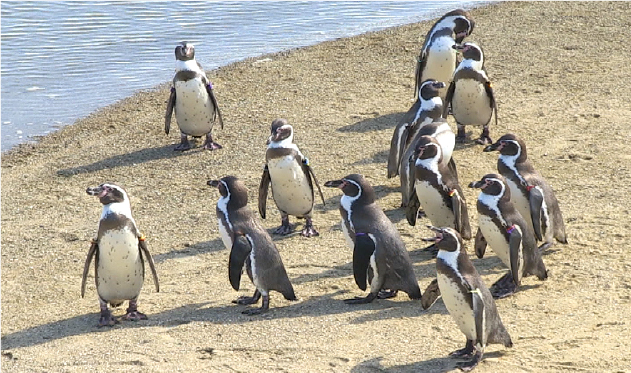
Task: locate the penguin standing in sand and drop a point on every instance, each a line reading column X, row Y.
column 250, row 246
column 437, row 191
column 379, row 254
column 192, row 99
column 293, row 181
column 466, row 297
column 531, row 194
column 118, row 248
column 437, row 59
column 508, row 235
column 470, row 94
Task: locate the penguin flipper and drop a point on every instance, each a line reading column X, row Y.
column 142, row 245
column 169, row 112
column 263, row 189
column 421, row 62
column 93, row 249
column 536, row 201
column 430, row 295
column 516, row 254
column 217, row 113
column 448, row 97
column 459, row 209
column 364, row 248
column 400, row 133
column 411, row 212
column 452, row 167
column 489, row 91
column 478, row 313
column 480, row 244
column 240, row 251
column 308, row 171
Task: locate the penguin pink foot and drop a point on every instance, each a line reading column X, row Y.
column 106, row 318
column 257, row 311
column 285, row 228
column 132, row 313
column 209, row 144
column 184, row 144
column 309, row 230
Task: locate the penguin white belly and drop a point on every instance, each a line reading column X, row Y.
column 457, row 306
column 495, row 238
column 347, row 236
column 225, row 236
column 120, row 268
column 520, row 202
column 290, row 186
column 193, row 108
column 433, row 205
column 470, row 103
column 374, row 284
column 441, row 62
column 447, row 141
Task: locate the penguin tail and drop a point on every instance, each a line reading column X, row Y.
column 415, row 293
column 289, row 294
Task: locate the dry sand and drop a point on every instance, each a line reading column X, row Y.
column 561, row 76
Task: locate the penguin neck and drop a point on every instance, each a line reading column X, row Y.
column 285, row 143
column 118, row 208
column 431, row 164
column 450, row 257
column 190, row 65
column 492, row 203
column 222, row 205
column 446, row 23
column 510, row 161
column 473, row 65
column 428, row 105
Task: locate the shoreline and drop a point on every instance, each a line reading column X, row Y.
column 555, row 69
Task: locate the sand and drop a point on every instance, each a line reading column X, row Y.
column 560, row 73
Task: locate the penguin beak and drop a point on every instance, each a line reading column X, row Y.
column 335, row 184
column 94, row 191
column 437, row 238
column 477, row 184
column 417, row 153
column 492, row 147
column 458, row 47
column 439, row 85
column 213, row 183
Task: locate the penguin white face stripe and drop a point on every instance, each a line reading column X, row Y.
column 448, row 22
column 511, row 160
column 432, row 164
column 120, row 208
column 190, row 65
column 373, row 265
column 347, row 201
column 492, row 202
column 222, row 203
column 451, row 259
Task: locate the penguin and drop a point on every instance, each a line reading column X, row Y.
column 437, row 59
column 531, row 194
column 437, row 190
column 118, row 250
column 251, row 247
column 508, row 235
column 439, row 130
column 466, row 297
column 292, row 179
column 379, row 254
column 470, row 94
column 427, row 108
column 193, row 100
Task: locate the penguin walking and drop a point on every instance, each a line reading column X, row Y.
column 470, row 94
column 379, row 254
column 118, row 250
column 251, row 247
column 531, row 194
column 427, row 108
column 466, row 297
column 292, row 179
column 437, row 190
column 437, row 59
column 192, row 99
column 508, row 234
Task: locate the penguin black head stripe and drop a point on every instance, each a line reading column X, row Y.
column 108, row 193
column 447, row 239
column 427, row 148
column 185, row 51
column 463, row 22
column 354, row 186
column 280, row 131
column 492, row 184
column 470, row 51
column 509, row 145
column 232, row 188
column 430, row 89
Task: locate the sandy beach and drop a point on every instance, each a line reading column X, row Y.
column 560, row 74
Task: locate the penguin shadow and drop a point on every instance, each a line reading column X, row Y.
column 438, row 364
column 122, row 160
column 333, row 272
column 376, row 123
column 191, row 250
column 378, row 157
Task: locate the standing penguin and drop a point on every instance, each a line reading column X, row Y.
column 427, row 108
column 379, row 254
column 437, row 59
column 466, row 297
column 437, row 191
column 531, row 194
column 439, row 130
column 118, row 248
column 291, row 177
column 192, row 99
column 250, row 246
column 470, row 94
column 508, row 234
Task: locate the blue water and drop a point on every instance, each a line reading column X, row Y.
column 62, row 60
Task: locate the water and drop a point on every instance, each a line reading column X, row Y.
column 62, row 60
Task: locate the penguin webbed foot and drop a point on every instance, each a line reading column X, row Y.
column 245, row 300
column 184, row 144
column 467, row 351
column 545, row 246
column 107, row 319
column 484, row 140
column 134, row 316
column 209, row 144
column 361, row 300
column 467, row 366
column 309, row 230
column 257, row 311
column 387, row 293
column 503, row 287
column 285, row 228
